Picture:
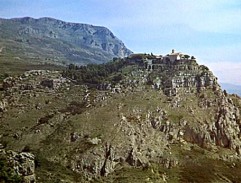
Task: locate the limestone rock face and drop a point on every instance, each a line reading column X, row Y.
column 223, row 131
column 180, row 75
column 138, row 144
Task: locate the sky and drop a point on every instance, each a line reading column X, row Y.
column 208, row 29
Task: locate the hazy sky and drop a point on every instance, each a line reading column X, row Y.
column 208, row 29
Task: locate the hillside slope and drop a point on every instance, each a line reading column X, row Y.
column 130, row 120
column 51, row 40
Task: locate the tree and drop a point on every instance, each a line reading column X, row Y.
column 193, row 58
column 186, row 57
column 225, row 93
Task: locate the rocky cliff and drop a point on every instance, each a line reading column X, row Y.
column 56, row 41
column 131, row 120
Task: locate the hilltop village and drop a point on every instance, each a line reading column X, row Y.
column 176, row 71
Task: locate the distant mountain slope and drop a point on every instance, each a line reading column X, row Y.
column 231, row 88
column 57, row 41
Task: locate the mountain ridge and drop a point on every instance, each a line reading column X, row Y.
column 55, row 40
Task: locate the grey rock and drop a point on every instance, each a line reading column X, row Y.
column 22, row 163
column 94, row 141
column 75, row 42
column 3, row 105
column 74, row 137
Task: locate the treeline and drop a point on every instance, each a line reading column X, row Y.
column 96, row 74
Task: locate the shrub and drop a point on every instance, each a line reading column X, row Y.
column 7, row 173
column 26, row 148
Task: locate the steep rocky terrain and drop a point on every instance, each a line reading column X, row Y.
column 22, row 167
column 138, row 119
column 56, row 41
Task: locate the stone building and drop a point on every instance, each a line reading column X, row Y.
column 173, row 56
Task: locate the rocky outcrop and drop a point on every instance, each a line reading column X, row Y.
column 223, row 131
column 22, row 164
column 30, row 80
column 30, row 84
column 141, row 144
column 52, row 83
column 179, row 75
column 147, row 139
column 8, row 82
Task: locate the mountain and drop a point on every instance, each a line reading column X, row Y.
column 56, row 41
column 141, row 118
column 231, row 88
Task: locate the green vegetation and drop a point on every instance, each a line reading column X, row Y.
column 94, row 74
column 141, row 56
column 13, row 67
column 186, row 56
column 204, row 68
column 7, row 173
column 55, row 171
column 193, row 58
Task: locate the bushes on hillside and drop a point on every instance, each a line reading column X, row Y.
column 7, row 173
column 96, row 74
